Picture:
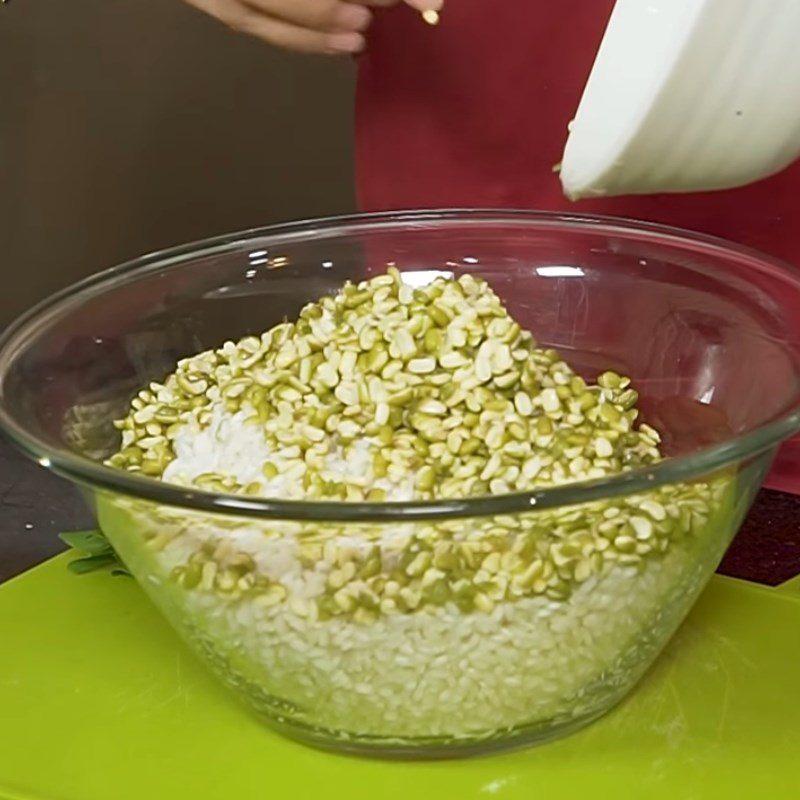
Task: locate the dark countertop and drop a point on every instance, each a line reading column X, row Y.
column 35, row 506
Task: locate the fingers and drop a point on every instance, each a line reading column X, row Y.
column 281, row 33
column 319, row 15
column 425, row 5
column 302, row 40
column 307, row 26
column 224, row 10
column 333, row 14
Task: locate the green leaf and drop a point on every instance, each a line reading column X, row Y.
column 92, row 542
column 121, row 571
column 80, row 566
column 96, row 553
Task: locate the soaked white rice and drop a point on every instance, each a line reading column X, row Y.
column 435, row 673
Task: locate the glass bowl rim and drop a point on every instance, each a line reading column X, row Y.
column 97, row 476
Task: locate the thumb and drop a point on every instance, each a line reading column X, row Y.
column 425, row 5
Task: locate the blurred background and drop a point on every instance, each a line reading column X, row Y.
column 130, row 126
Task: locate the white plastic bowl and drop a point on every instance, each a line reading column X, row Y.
column 688, row 95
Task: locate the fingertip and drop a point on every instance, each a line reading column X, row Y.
column 349, row 42
column 426, row 5
column 352, row 17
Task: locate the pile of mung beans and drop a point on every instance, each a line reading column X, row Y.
column 448, row 393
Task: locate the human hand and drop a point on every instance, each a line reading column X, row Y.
column 333, row 27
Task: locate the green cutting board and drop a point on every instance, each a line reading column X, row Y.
column 100, row 701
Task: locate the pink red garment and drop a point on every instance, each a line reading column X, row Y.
column 474, row 113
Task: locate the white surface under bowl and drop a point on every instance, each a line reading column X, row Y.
column 688, row 95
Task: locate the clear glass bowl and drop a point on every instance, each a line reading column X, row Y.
column 589, row 581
